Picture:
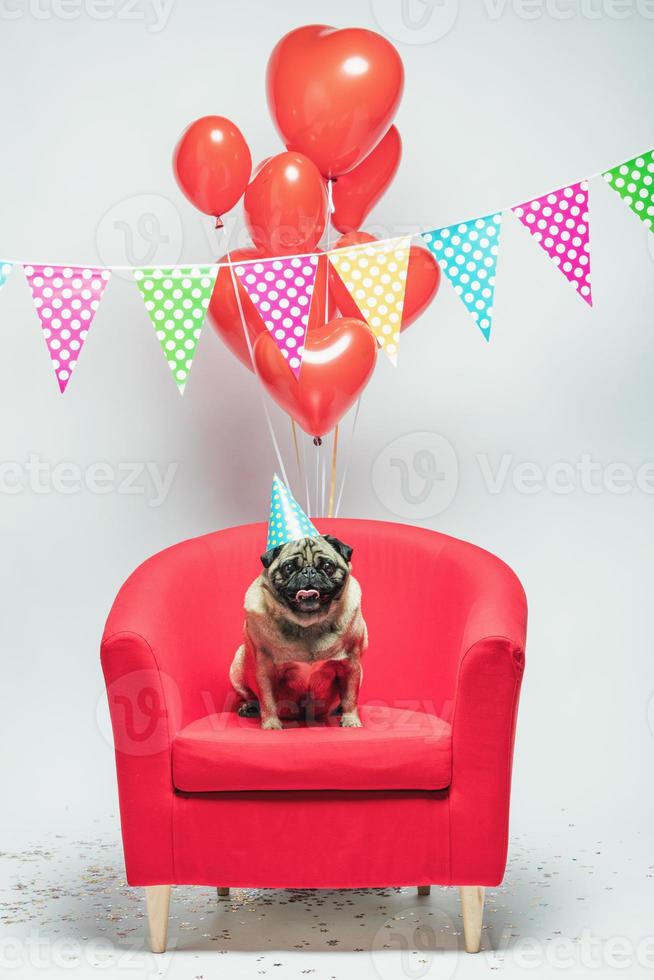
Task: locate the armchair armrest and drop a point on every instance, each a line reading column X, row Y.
column 165, row 653
column 145, row 709
column 489, row 675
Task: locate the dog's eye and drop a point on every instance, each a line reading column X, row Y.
column 328, row 568
column 289, row 567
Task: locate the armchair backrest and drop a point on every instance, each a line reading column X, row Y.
column 425, row 597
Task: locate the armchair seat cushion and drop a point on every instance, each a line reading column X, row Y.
column 396, row 749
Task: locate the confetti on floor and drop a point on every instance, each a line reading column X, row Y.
column 64, row 903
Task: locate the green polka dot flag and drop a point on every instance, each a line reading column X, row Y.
column 634, row 182
column 177, row 301
column 287, row 521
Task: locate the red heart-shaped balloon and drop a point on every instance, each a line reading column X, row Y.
column 337, row 364
column 333, row 93
column 357, row 192
column 225, row 316
column 422, row 280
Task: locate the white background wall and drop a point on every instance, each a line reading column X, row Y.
column 497, row 108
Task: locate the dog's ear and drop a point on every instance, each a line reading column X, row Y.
column 344, row 550
column 268, row 557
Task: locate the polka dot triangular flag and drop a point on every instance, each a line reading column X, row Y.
column 467, row 254
column 281, row 290
column 634, row 182
column 177, row 301
column 375, row 275
column 559, row 223
column 287, row 521
column 5, row 269
column 66, row 299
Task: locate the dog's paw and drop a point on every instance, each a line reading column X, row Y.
column 271, row 724
column 350, row 719
column 248, row 709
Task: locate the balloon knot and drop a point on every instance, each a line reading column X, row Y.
column 317, row 441
column 219, row 222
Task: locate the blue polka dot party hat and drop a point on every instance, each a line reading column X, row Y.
column 287, row 521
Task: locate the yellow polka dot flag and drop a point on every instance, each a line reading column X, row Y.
column 177, row 300
column 375, row 276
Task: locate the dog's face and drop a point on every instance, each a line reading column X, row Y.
column 308, row 575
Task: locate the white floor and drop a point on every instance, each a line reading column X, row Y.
column 572, row 904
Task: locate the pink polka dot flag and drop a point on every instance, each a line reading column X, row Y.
column 559, row 223
column 281, row 289
column 66, row 299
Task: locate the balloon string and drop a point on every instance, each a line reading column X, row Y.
column 235, row 286
column 330, row 211
column 301, row 467
column 297, row 451
column 324, row 479
column 332, row 481
column 317, row 477
column 348, row 457
column 306, row 476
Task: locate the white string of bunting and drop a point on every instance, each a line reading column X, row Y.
column 66, row 297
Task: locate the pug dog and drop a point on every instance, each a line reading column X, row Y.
column 304, row 635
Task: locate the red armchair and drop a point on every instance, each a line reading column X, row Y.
column 419, row 795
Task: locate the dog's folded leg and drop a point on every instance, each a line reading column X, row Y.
column 249, row 709
column 349, row 692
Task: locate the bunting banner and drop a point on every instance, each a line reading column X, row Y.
column 281, row 290
column 5, row 269
column 559, row 223
column 467, row 254
column 633, row 180
column 177, row 300
column 66, row 299
column 375, row 275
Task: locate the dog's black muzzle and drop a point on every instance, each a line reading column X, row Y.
column 309, row 589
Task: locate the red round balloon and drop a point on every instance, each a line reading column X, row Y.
column 338, row 361
column 225, row 316
column 333, row 93
column 357, row 192
column 285, row 205
column 422, row 281
column 212, row 164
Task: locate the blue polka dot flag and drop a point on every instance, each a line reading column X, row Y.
column 287, row 522
column 467, row 254
column 5, row 269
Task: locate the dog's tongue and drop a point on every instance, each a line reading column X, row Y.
column 306, row 594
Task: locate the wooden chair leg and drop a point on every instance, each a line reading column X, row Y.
column 472, row 907
column 223, row 892
column 157, row 898
column 424, row 889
